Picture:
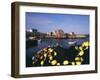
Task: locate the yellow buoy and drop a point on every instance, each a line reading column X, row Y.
column 54, row 62
column 45, row 50
column 80, row 48
column 55, row 53
column 77, row 59
column 81, row 59
column 83, row 44
column 76, row 47
column 78, row 63
column 50, row 57
column 86, row 44
column 45, row 55
column 42, row 62
column 73, row 63
column 58, row 64
column 81, row 53
column 65, row 62
column 51, row 50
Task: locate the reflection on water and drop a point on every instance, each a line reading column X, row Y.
column 52, row 42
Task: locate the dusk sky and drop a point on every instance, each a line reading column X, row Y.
column 47, row 22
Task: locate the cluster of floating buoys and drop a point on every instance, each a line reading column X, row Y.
column 79, row 57
column 45, row 54
column 48, row 55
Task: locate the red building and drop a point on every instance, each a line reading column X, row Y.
column 59, row 33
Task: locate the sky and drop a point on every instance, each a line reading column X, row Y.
column 48, row 22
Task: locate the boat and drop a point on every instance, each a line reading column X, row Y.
column 39, row 41
column 72, row 43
